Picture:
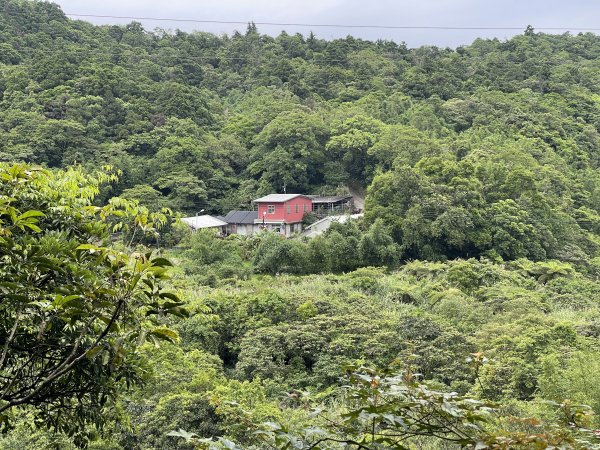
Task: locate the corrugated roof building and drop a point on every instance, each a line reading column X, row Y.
column 278, row 198
column 242, row 222
column 332, row 204
column 205, row 222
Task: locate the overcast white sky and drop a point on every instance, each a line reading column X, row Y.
column 468, row 13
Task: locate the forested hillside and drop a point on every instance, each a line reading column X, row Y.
column 491, row 147
column 475, row 270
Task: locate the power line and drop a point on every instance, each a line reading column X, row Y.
column 320, row 25
column 328, row 25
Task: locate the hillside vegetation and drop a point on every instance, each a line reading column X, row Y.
column 490, row 149
column 464, row 303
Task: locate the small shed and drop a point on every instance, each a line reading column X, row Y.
column 332, row 204
column 242, row 222
column 206, row 222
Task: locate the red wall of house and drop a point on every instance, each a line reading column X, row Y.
column 278, row 215
column 300, row 202
column 281, row 210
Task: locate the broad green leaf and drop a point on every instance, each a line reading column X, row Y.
column 166, row 334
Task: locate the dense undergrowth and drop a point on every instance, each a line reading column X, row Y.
column 267, row 348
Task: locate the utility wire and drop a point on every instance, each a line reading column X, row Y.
column 316, row 25
column 326, row 25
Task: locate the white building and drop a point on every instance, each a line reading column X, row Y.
column 320, row 226
column 206, row 222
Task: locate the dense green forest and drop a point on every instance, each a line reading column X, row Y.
column 462, row 310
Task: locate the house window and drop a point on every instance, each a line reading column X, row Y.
column 271, row 209
column 296, row 208
column 305, row 208
column 289, row 209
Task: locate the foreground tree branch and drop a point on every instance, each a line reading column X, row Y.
column 72, row 309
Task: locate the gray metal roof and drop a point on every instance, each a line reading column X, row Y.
column 205, row 221
column 241, row 217
column 331, row 199
column 278, row 198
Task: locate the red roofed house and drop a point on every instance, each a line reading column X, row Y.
column 283, row 212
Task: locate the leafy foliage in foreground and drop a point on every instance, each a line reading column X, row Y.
column 396, row 412
column 73, row 311
column 270, row 348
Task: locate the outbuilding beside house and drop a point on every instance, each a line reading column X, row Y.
column 338, row 204
column 206, row 222
column 319, row 227
column 242, row 222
